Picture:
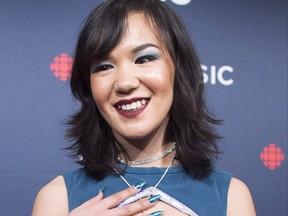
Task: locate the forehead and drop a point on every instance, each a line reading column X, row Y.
column 139, row 29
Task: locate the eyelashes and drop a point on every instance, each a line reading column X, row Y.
column 146, row 58
column 100, row 67
column 106, row 65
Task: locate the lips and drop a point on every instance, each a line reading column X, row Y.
column 131, row 107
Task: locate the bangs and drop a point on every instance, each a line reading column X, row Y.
column 106, row 27
column 105, row 33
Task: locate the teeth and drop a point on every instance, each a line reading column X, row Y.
column 132, row 106
column 138, row 104
column 128, row 107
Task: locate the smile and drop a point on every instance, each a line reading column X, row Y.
column 132, row 105
column 131, row 108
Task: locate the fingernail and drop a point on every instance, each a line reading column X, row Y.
column 101, row 189
column 154, row 198
column 156, row 213
column 139, row 186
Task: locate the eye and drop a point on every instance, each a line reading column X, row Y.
column 145, row 59
column 100, row 67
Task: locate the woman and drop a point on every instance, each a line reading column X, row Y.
column 142, row 122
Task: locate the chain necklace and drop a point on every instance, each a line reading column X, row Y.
column 159, row 181
column 151, row 159
column 155, row 191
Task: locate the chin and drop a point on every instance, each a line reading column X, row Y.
column 135, row 135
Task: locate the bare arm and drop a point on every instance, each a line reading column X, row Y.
column 52, row 199
column 239, row 200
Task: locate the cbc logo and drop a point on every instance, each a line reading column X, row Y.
column 62, row 66
column 179, row 2
column 272, row 156
column 213, row 75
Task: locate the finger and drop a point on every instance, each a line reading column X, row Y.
column 93, row 200
column 136, row 207
column 132, row 199
column 115, row 199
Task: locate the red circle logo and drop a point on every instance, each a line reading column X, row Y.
column 272, row 156
column 62, row 66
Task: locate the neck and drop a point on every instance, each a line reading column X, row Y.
column 148, row 157
column 140, row 148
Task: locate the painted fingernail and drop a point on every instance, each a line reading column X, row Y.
column 101, row 189
column 139, row 186
column 154, row 198
column 156, row 213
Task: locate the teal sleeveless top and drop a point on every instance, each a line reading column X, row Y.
column 206, row 197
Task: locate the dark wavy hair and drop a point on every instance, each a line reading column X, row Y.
column 190, row 122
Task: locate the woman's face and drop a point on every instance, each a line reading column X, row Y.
column 133, row 87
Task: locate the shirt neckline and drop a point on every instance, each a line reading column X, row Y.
column 152, row 170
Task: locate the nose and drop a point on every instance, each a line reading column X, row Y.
column 126, row 80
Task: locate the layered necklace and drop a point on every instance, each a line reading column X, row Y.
column 151, row 159
column 153, row 190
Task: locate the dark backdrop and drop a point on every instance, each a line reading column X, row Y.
column 243, row 47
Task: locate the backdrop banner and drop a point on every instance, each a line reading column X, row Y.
column 243, row 49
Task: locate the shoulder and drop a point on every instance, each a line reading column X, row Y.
column 52, row 199
column 239, row 199
column 75, row 175
column 221, row 175
column 220, row 179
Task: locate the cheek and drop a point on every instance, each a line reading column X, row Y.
column 99, row 91
column 161, row 78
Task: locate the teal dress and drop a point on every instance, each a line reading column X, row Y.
column 206, row 197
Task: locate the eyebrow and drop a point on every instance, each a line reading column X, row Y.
column 144, row 46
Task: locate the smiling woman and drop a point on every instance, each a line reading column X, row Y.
column 138, row 75
column 142, row 122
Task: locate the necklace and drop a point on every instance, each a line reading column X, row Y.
column 155, row 191
column 159, row 181
column 151, row 159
